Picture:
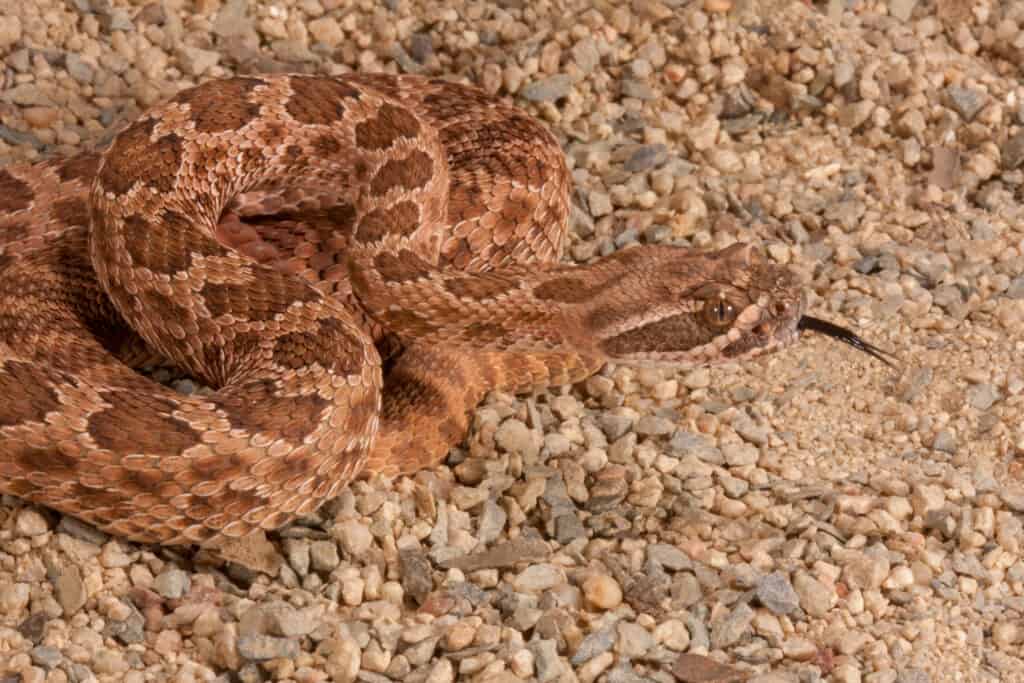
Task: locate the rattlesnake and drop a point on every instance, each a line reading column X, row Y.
column 351, row 262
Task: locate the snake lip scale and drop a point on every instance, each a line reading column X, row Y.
column 351, row 263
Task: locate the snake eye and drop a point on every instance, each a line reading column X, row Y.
column 719, row 313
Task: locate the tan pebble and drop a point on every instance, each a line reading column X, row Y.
column 595, row 667
column 521, row 663
column 799, row 649
column 459, row 636
column 602, row 591
column 717, row 6
column 40, row 117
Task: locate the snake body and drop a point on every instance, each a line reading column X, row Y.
column 351, row 263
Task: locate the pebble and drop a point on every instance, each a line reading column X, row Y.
column 815, row 598
column 728, row 631
column 323, row 556
column 633, row 640
column 777, row 594
column 355, row 537
column 30, row 523
column 10, row 30
column 263, row 648
column 69, row 590
column 548, row 89
column 172, row 583
column 537, row 578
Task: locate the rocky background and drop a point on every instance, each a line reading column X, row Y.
column 811, row 516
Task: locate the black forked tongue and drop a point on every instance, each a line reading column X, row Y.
column 844, row 335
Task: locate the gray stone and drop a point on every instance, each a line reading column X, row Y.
column 668, row 557
column 421, row 47
column 172, row 583
column 1012, row 152
column 982, row 396
column 1016, row 288
column 46, row 656
column 646, row 157
column 596, row 643
column 732, row 628
column 548, row 89
column 965, row 101
column 261, row 648
column 297, row 552
column 944, row 442
column 128, row 631
column 79, row 69
column 641, row 90
column 569, row 527
column 547, row 663
column 777, row 594
column 417, row 574
column 492, row 521
column 652, row 425
column 586, row 55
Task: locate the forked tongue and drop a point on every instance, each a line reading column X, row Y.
column 844, row 335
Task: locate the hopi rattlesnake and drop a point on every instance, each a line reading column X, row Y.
column 282, row 238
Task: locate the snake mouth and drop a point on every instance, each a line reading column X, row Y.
column 844, row 335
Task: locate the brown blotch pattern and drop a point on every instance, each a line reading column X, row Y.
column 448, row 99
column 400, row 267
column 673, row 334
column 51, row 460
column 480, row 286
column 135, row 157
column 486, row 332
column 221, row 105
column 165, row 245
column 326, row 146
column 390, row 124
column 258, row 407
column 318, row 100
column 260, row 300
column 79, row 167
column 154, row 431
column 71, row 211
column 403, row 391
column 410, row 173
column 331, row 346
column 407, row 324
column 15, row 194
column 31, row 387
column 568, row 290
column 143, row 481
column 402, row 218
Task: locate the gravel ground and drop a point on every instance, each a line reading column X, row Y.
column 811, row 516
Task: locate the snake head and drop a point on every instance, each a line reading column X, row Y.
column 704, row 308
column 707, row 308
